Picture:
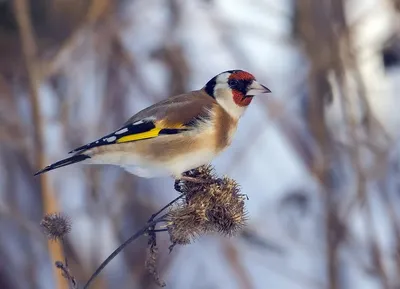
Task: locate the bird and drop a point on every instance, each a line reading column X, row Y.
column 177, row 134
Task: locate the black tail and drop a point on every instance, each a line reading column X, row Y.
column 64, row 162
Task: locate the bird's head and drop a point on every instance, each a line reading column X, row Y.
column 234, row 90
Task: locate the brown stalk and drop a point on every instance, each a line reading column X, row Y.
column 374, row 246
column 361, row 196
column 29, row 49
column 320, row 46
column 97, row 11
column 232, row 255
column 347, row 59
column 386, row 200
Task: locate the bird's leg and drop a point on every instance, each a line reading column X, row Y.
column 192, row 179
column 177, row 184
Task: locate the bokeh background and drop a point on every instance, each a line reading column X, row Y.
column 318, row 158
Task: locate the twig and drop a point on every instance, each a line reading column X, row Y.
column 165, row 207
column 65, row 252
column 139, row 233
column 157, row 230
column 149, row 227
column 66, row 274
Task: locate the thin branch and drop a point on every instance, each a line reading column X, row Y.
column 139, row 233
column 67, row 274
column 165, row 207
column 157, row 231
column 149, row 227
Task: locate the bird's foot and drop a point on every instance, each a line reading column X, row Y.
column 178, row 186
column 180, row 179
column 193, row 180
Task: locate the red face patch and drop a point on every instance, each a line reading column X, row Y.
column 240, row 99
column 242, row 75
column 238, row 82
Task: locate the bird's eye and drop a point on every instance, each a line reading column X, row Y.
column 233, row 83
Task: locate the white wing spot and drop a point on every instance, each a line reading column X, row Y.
column 111, row 139
column 121, row 131
column 138, row 122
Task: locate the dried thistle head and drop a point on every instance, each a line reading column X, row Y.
column 56, row 226
column 205, row 173
column 184, row 224
column 226, row 214
column 214, row 206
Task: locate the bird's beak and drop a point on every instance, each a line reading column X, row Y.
column 257, row 88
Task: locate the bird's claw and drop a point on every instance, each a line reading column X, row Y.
column 178, row 186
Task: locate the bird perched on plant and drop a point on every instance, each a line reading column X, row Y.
column 177, row 134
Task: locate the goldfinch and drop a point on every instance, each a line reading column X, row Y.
column 177, row 134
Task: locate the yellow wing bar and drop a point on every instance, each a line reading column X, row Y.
column 138, row 136
column 134, row 132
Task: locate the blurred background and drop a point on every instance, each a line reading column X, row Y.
column 318, row 158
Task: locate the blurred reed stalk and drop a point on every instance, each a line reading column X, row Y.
column 232, row 254
column 22, row 14
column 321, row 48
column 325, row 35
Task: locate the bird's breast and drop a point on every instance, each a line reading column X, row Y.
column 224, row 128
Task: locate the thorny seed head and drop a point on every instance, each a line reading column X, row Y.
column 184, row 224
column 205, row 173
column 56, row 226
column 215, row 206
column 227, row 212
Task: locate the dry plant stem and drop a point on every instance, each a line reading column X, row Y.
column 67, row 275
column 232, row 255
column 157, row 230
column 151, row 257
column 139, row 233
column 98, row 11
column 376, row 253
column 362, row 196
column 321, row 45
column 29, row 49
column 362, row 180
column 64, row 252
column 394, row 220
column 165, row 207
column 149, row 227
